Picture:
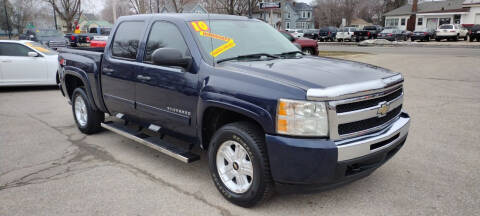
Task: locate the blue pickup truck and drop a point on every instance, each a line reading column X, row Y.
column 268, row 116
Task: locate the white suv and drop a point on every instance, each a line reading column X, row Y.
column 345, row 33
column 451, row 32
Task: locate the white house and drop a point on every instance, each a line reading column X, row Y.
column 431, row 14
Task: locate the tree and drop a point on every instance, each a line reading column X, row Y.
column 5, row 18
column 122, row 8
column 68, row 10
column 22, row 14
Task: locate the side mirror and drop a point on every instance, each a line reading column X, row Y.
column 170, row 57
column 32, row 54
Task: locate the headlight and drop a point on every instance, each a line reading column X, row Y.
column 302, row 118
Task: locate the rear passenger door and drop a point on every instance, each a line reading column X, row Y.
column 167, row 96
column 119, row 68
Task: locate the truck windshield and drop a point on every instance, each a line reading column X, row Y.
column 222, row 39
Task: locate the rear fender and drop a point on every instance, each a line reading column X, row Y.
column 73, row 71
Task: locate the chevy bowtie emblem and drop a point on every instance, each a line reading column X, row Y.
column 383, row 110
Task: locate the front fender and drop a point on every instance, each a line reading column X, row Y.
column 227, row 102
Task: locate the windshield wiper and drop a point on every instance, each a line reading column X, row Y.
column 255, row 55
column 284, row 54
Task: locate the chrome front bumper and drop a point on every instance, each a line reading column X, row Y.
column 361, row 146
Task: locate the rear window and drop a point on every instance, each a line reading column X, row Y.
column 370, row 28
column 126, row 40
column 446, row 27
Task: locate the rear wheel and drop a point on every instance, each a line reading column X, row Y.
column 239, row 165
column 88, row 120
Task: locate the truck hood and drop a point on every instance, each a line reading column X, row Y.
column 310, row 72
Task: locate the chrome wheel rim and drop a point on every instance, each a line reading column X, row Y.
column 234, row 166
column 80, row 111
column 308, row 52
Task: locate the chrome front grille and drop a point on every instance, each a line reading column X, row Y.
column 365, row 114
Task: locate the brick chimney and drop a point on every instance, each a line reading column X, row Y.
column 411, row 22
column 415, row 6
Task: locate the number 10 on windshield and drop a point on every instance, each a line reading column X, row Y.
column 200, row 26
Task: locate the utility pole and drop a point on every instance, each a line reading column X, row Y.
column 6, row 17
column 54, row 16
column 158, row 6
column 114, row 8
column 250, row 9
column 271, row 15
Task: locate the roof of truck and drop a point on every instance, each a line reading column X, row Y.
column 187, row 16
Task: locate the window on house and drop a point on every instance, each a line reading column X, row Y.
column 309, row 14
column 287, row 25
column 420, row 21
column 444, row 21
column 456, row 18
column 391, row 22
column 303, row 14
column 288, row 15
column 402, row 21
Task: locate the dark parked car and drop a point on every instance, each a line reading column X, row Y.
column 423, row 35
column 267, row 115
column 474, row 33
column 392, row 35
column 327, row 33
column 48, row 37
column 368, row 32
column 307, row 45
column 311, row 33
column 76, row 40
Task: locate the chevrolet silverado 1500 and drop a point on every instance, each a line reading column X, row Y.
column 267, row 114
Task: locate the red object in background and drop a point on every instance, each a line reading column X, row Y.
column 95, row 43
column 72, row 37
column 305, row 42
column 88, row 39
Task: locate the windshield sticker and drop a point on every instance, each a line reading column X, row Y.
column 223, row 48
column 215, row 36
column 200, row 26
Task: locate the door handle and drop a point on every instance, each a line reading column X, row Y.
column 144, row 78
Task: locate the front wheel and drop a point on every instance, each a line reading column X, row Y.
column 239, row 164
column 88, row 120
column 308, row 51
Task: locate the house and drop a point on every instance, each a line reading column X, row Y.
column 197, row 6
column 359, row 23
column 431, row 14
column 291, row 15
column 297, row 15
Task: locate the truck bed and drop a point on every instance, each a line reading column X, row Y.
column 93, row 53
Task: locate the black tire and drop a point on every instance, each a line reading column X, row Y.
column 252, row 139
column 308, row 51
column 94, row 117
column 437, row 39
column 471, row 38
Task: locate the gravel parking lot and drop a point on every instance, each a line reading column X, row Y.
column 47, row 167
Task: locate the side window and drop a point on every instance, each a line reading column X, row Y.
column 164, row 35
column 126, row 40
column 12, row 49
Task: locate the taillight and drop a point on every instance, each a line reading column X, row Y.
column 62, row 61
column 425, row 33
column 88, row 39
column 389, row 34
column 368, row 34
column 329, row 33
column 72, row 37
column 452, row 30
